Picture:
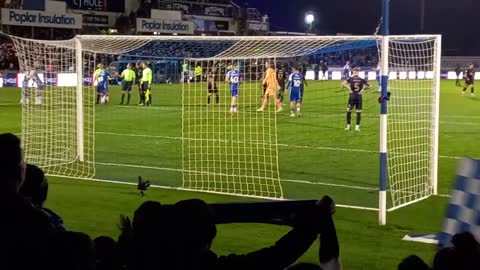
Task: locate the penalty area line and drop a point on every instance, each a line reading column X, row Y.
column 279, row 144
column 282, row 180
column 201, row 191
column 307, row 182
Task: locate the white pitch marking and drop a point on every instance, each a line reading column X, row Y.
column 280, row 144
column 193, row 190
column 283, row 180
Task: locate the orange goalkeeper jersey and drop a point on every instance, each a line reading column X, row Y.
column 271, row 81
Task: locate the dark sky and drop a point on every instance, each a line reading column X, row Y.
column 456, row 20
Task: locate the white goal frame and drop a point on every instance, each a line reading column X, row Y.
column 286, row 48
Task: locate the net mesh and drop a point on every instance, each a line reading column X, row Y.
column 240, row 154
column 411, row 128
column 49, row 115
column 229, row 151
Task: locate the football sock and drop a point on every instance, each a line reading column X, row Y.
column 98, row 98
column 359, row 118
column 473, row 90
column 208, row 99
column 349, row 117
column 128, row 98
column 217, row 98
column 123, row 98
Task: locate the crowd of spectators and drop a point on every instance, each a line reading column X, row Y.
column 8, row 57
column 161, row 236
column 358, row 57
column 158, row 236
column 179, row 50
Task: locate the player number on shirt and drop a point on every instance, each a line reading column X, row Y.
column 356, row 87
column 297, row 83
column 234, row 79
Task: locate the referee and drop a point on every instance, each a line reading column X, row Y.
column 146, row 82
column 128, row 77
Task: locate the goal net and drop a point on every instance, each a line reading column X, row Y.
column 197, row 137
column 58, row 117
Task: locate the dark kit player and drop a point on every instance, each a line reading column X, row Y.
column 469, row 80
column 212, row 88
column 457, row 72
column 356, row 85
column 282, row 78
column 138, row 81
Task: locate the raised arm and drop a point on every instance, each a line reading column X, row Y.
column 291, row 246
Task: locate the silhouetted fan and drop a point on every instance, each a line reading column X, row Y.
column 142, row 186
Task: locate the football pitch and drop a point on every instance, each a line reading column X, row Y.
column 316, row 157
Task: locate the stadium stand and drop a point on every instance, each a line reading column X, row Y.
column 8, row 59
column 178, row 50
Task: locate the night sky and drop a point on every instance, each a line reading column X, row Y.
column 456, row 20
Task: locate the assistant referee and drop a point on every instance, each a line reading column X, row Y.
column 128, row 77
column 146, row 82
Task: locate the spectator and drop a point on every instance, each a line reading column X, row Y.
column 106, row 253
column 35, row 189
column 463, row 255
column 24, row 228
column 12, row 165
column 29, row 241
column 446, row 259
column 186, row 231
column 305, row 266
column 413, row 263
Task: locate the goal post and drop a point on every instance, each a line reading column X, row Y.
column 243, row 154
column 58, row 115
column 413, row 118
column 436, row 115
column 384, row 72
column 79, row 101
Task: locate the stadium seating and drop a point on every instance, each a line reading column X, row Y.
column 179, row 50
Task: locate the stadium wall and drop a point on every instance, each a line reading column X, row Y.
column 14, row 79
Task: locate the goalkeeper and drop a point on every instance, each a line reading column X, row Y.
column 128, row 77
column 146, row 82
column 271, row 83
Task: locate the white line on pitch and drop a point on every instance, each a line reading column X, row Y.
column 170, row 108
column 459, row 116
column 200, row 191
column 283, row 180
column 460, row 123
column 280, row 144
column 159, row 108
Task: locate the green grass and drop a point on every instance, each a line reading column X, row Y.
column 150, row 137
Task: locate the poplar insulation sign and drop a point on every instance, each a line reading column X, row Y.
column 41, row 19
